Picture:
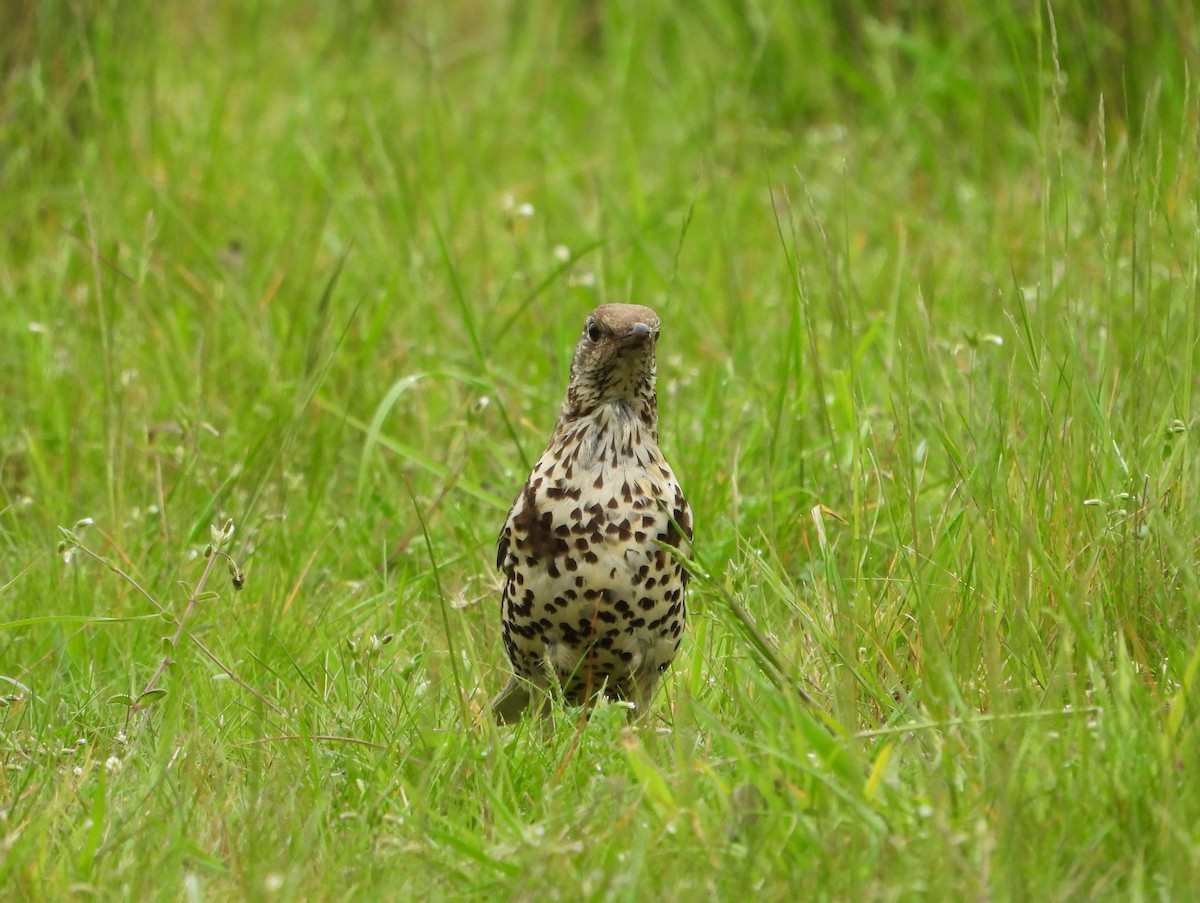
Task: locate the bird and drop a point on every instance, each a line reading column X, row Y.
column 593, row 589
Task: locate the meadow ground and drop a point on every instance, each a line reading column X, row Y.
column 929, row 282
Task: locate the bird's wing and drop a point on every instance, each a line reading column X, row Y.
column 504, row 540
column 681, row 538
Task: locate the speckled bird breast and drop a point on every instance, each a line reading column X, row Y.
column 589, row 585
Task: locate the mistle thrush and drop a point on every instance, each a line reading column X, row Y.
column 593, row 599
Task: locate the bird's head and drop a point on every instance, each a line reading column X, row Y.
column 614, row 362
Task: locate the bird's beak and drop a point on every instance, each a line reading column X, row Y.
column 639, row 332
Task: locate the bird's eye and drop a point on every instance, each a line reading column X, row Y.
column 593, row 331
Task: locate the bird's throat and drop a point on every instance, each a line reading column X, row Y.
column 614, row 432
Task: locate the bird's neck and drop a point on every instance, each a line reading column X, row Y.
column 584, row 407
column 613, row 393
column 610, row 431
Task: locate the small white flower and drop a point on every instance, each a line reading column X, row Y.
column 113, row 764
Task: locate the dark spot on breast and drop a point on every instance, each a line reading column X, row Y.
column 671, row 537
column 539, row 541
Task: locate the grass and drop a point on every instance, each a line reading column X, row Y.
column 929, row 285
